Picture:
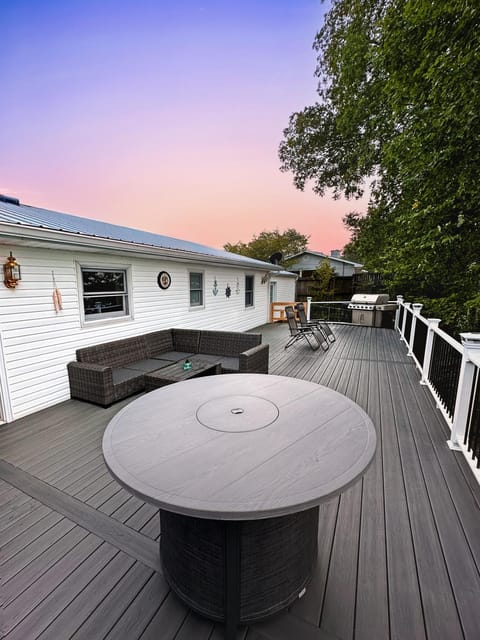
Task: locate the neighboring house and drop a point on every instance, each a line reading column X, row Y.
column 305, row 263
column 114, row 282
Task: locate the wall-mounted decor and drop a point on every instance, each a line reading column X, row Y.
column 11, row 272
column 215, row 287
column 164, row 280
column 228, row 291
column 237, row 288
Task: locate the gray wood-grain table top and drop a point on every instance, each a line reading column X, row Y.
column 239, row 446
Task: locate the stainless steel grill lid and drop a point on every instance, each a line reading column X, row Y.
column 369, row 298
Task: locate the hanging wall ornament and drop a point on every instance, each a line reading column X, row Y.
column 228, row 291
column 237, row 288
column 215, row 287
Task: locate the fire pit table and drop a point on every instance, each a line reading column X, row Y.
column 238, row 465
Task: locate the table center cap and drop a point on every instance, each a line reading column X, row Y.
column 237, row 413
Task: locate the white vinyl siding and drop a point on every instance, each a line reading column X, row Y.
column 39, row 342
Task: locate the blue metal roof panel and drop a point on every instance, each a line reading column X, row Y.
column 44, row 218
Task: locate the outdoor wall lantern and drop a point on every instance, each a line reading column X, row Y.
column 11, row 270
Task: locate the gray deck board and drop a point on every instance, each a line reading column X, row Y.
column 398, row 553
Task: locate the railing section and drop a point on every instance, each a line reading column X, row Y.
column 472, row 433
column 451, row 370
column 337, row 311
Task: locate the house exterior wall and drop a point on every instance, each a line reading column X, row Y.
column 285, row 288
column 37, row 342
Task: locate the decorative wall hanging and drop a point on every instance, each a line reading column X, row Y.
column 265, row 277
column 215, row 287
column 237, row 288
column 56, row 296
column 228, row 291
column 164, row 280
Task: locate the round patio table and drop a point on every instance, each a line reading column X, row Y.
column 238, row 464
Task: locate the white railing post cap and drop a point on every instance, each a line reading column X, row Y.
column 417, row 307
column 399, row 299
column 471, row 340
column 434, row 320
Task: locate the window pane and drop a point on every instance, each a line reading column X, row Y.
column 103, row 281
column 249, row 280
column 196, row 298
column 104, row 304
column 196, row 280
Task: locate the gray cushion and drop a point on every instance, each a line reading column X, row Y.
column 229, row 364
column 121, row 375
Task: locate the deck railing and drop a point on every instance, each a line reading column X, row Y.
column 451, row 370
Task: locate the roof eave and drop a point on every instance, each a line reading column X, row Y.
column 69, row 239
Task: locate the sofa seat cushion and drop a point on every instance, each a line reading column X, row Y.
column 148, row 365
column 121, row 375
column 175, row 356
column 230, row 364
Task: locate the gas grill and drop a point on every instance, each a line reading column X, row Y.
column 369, row 309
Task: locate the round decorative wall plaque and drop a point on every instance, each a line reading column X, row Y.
column 164, row 280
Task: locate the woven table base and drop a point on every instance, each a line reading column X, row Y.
column 275, row 561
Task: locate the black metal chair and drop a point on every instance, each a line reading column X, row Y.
column 300, row 333
column 320, row 325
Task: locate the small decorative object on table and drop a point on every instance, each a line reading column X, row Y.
column 187, row 365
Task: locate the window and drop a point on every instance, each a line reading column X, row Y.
column 249, row 280
column 105, row 293
column 196, row 289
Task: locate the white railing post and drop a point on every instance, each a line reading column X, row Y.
column 427, row 358
column 309, row 301
column 416, row 312
column 471, row 345
column 397, row 312
column 406, row 311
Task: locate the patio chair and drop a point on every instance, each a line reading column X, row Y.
column 319, row 325
column 300, row 333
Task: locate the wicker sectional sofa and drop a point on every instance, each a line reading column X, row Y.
column 108, row 372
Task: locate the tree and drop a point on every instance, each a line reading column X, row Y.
column 322, row 277
column 399, row 115
column 267, row 243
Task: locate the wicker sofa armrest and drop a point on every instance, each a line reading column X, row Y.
column 254, row 360
column 91, row 382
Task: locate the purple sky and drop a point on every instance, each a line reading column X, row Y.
column 164, row 116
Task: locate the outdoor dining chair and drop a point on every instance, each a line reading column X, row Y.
column 300, row 333
column 320, row 325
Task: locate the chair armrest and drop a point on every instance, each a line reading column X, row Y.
column 91, row 382
column 254, row 360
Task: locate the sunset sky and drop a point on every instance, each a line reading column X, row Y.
column 163, row 115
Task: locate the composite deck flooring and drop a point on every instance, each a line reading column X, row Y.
column 398, row 553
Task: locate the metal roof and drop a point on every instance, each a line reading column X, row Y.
column 29, row 216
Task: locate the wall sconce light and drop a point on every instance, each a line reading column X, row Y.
column 11, row 270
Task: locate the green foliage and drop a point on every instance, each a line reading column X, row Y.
column 322, row 276
column 267, row 243
column 399, row 113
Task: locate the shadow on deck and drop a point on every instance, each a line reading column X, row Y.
column 399, row 552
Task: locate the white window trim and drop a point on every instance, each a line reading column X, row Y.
column 194, row 307
column 95, row 322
